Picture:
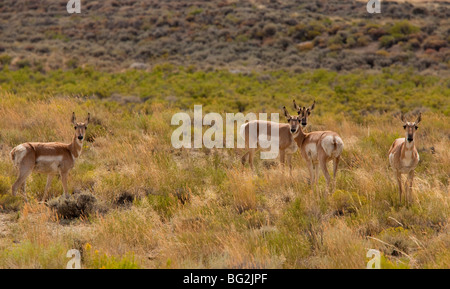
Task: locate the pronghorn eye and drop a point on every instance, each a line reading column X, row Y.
column 404, row 126
column 75, row 127
column 416, row 127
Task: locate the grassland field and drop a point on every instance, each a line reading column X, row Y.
column 159, row 207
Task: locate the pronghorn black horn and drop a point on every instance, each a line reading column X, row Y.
column 419, row 118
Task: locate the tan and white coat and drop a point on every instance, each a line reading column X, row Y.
column 404, row 158
column 48, row 158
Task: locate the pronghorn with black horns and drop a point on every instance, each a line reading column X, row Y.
column 317, row 148
column 48, row 158
column 304, row 117
column 403, row 156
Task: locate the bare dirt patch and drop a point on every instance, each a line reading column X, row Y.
column 5, row 225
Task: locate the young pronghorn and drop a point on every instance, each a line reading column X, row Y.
column 317, row 148
column 403, row 156
column 48, row 158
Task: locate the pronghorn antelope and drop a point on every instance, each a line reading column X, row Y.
column 317, row 148
column 286, row 135
column 48, row 158
column 403, row 156
column 304, row 117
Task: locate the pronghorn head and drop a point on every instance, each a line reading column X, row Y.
column 80, row 127
column 303, row 113
column 410, row 127
column 294, row 121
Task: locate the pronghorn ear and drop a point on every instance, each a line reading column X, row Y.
column 313, row 105
column 402, row 118
column 286, row 113
column 73, row 120
column 419, row 118
column 296, row 107
column 88, row 119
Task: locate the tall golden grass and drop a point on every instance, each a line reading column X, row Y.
column 233, row 218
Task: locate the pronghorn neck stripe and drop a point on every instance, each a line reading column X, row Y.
column 76, row 147
column 300, row 137
column 409, row 145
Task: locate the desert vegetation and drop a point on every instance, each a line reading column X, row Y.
column 241, row 35
column 139, row 203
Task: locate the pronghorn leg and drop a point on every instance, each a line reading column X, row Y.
column 282, row 157
column 410, row 183
column 316, row 174
column 21, row 181
column 244, row 158
column 406, row 188
column 289, row 162
column 311, row 174
column 26, row 167
column 323, row 166
column 47, row 186
column 251, row 155
column 64, row 182
column 24, row 190
column 316, row 178
column 335, row 168
column 399, row 181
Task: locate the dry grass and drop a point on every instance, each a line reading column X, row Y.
column 233, row 218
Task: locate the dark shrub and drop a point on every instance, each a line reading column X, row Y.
column 434, row 42
column 376, row 32
column 387, row 41
column 23, row 63
column 269, row 30
column 124, row 199
column 420, row 11
column 74, row 206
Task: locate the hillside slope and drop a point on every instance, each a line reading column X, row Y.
column 337, row 35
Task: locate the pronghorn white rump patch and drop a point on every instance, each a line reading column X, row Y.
column 391, row 159
column 339, row 146
column 332, row 145
column 19, row 153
